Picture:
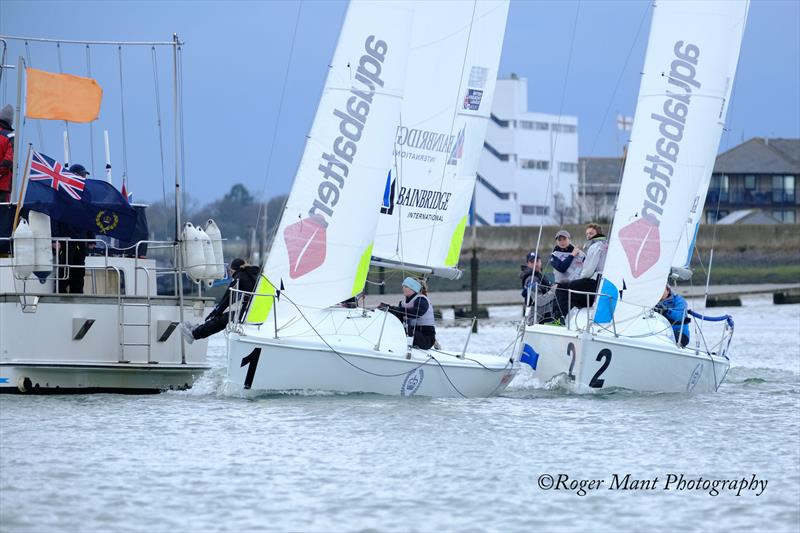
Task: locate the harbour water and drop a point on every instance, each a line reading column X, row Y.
column 202, row 460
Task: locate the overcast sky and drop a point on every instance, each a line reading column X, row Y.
column 236, row 63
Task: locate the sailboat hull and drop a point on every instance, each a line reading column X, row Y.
column 591, row 362
column 348, row 351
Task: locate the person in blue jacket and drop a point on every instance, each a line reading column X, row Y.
column 673, row 307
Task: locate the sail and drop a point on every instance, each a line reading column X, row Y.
column 452, row 72
column 683, row 254
column 321, row 252
column 688, row 71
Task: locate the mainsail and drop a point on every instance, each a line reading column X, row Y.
column 452, row 72
column 321, row 252
column 691, row 58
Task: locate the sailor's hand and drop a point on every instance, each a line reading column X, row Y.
column 383, row 306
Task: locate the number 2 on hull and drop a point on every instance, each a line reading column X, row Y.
column 596, row 382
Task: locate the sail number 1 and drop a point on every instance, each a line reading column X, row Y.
column 251, row 360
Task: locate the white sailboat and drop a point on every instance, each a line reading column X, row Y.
column 688, row 74
column 437, row 54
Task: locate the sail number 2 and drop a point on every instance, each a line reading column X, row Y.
column 596, row 382
column 251, row 360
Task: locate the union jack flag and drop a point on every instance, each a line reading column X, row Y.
column 48, row 170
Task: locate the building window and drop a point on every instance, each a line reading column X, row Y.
column 541, row 126
column 783, row 189
column 785, row 215
column 535, row 209
column 564, row 128
column 718, row 191
column 749, row 182
column 534, row 164
column 568, row 167
column 502, row 218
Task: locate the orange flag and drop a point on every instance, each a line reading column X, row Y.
column 62, row 97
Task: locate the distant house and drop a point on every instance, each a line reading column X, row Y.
column 758, row 174
column 749, row 216
column 759, row 177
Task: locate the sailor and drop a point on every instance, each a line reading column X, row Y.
column 6, row 151
column 244, row 278
column 673, row 307
column 531, row 276
column 72, row 253
column 567, row 261
column 595, row 249
column 417, row 313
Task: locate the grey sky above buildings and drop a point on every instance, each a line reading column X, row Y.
column 236, row 63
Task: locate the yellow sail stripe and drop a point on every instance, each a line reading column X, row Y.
column 362, row 271
column 260, row 306
column 455, row 244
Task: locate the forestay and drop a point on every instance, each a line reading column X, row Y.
column 452, row 73
column 321, row 252
column 691, row 57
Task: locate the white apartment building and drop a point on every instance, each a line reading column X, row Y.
column 521, row 153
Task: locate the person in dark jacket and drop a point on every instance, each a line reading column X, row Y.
column 245, row 279
column 673, row 307
column 6, row 152
column 567, row 262
column 72, row 253
column 531, row 276
column 417, row 313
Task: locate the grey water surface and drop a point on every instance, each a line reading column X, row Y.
column 202, row 460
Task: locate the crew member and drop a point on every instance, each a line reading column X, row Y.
column 673, row 307
column 6, row 151
column 417, row 313
column 244, row 279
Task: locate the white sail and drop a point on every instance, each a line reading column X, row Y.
column 453, row 63
column 321, row 252
column 683, row 254
column 688, row 71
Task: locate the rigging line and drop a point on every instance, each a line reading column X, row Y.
column 158, row 121
column 554, row 141
column 619, row 79
column 179, row 111
column 455, row 115
column 66, row 124
column 275, row 134
column 2, row 64
column 38, row 122
column 91, row 123
column 122, row 111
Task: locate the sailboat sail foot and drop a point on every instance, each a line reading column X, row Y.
column 677, row 138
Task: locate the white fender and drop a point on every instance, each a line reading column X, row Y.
column 43, row 244
column 23, row 250
column 208, row 254
column 194, row 260
column 213, row 232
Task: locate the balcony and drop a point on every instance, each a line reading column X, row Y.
column 749, row 198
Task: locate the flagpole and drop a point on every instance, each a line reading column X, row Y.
column 66, row 147
column 22, row 188
column 18, row 120
column 178, row 243
column 108, row 158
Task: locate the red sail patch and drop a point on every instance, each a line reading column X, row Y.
column 306, row 244
column 641, row 241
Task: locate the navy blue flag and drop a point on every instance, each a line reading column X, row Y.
column 93, row 205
